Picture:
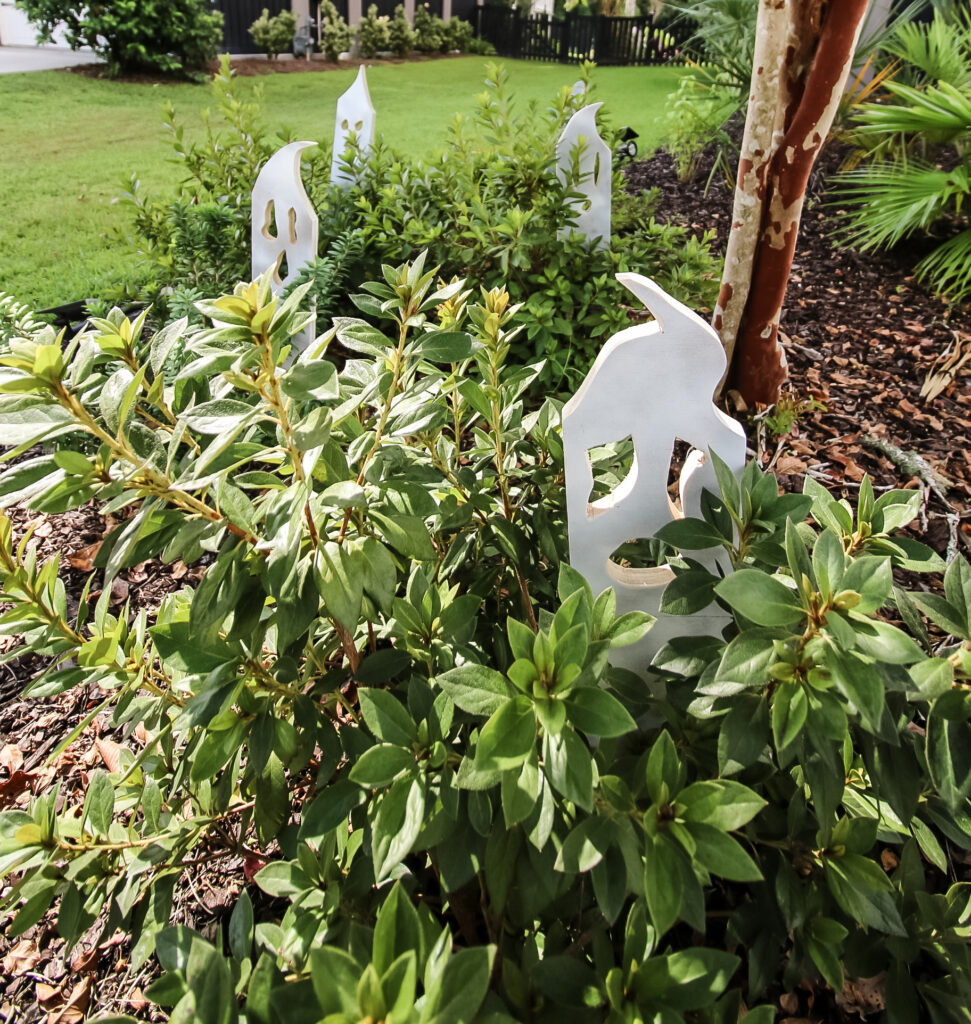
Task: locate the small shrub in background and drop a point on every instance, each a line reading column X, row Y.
column 459, row 34
column 169, row 36
column 274, row 36
column 401, row 36
column 373, row 32
column 430, row 34
column 336, row 34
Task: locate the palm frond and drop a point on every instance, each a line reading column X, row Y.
column 890, row 201
column 935, row 52
column 940, row 114
column 948, row 268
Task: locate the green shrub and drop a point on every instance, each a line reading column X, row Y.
column 480, row 47
column 459, row 35
column 274, row 35
column 401, row 36
column 489, row 208
column 373, row 32
column 430, row 31
column 16, row 320
column 148, row 35
column 336, row 36
column 388, row 682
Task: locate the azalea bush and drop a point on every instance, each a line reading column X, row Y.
column 391, row 687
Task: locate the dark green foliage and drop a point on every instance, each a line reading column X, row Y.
column 274, row 36
column 401, row 36
column 388, row 626
column 372, row 32
column 134, row 35
column 336, row 36
column 430, row 31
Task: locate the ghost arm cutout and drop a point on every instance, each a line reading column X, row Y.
column 653, row 382
column 592, row 214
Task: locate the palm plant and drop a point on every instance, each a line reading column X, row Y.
column 902, row 190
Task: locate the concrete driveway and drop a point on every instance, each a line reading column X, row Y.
column 17, row 59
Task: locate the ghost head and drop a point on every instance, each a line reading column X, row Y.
column 592, row 213
column 284, row 228
column 355, row 115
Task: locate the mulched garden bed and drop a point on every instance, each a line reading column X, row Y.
column 861, row 338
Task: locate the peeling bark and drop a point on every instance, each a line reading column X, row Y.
column 812, row 60
column 757, row 145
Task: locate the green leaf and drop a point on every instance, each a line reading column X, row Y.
column 219, row 416
column 99, row 802
column 340, row 583
column 465, row 982
column 864, row 892
column 690, row 534
column 330, row 810
column 689, row 980
column 790, row 707
column 520, row 792
column 396, row 825
column 379, row 765
column 283, row 878
column 744, row 733
column 760, row 598
column 387, row 717
column 335, row 975
column 312, row 381
column 948, row 747
column 241, row 927
column 445, row 346
column 860, row 683
column 689, row 592
column 477, row 689
column 397, row 930
column 722, row 803
column 722, row 855
column 406, row 534
column 597, row 713
column 509, row 736
column 662, row 881
column 940, row 611
column 569, row 767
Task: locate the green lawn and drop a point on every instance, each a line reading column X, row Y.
column 70, row 141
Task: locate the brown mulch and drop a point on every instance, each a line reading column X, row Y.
column 861, row 336
column 251, row 67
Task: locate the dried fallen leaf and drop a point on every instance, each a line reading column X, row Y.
column 11, row 757
column 889, row 859
column 83, row 558
column 790, row 464
column 18, row 783
column 21, row 959
column 863, row 996
column 110, row 753
column 73, row 1010
column 789, row 1002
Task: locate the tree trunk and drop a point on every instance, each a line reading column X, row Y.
column 798, row 79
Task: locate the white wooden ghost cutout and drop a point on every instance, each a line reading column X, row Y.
column 653, row 382
column 355, row 114
column 284, row 228
column 592, row 213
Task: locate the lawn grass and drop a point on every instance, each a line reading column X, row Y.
column 70, row 141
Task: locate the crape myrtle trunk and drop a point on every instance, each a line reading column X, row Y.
column 803, row 55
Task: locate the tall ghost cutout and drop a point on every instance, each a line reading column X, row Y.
column 284, row 224
column 653, row 382
column 355, row 113
column 592, row 214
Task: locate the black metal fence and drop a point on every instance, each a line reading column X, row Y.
column 576, row 38
column 238, row 15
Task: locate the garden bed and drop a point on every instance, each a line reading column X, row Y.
column 861, row 338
